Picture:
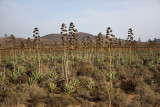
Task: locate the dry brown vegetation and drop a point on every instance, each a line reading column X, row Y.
column 93, row 72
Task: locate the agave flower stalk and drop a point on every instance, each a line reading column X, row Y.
column 149, row 47
column 100, row 45
column 73, row 33
column 55, row 45
column 5, row 39
column 111, row 74
column 108, row 36
column 0, row 52
column 134, row 48
column 13, row 40
column 37, row 38
column 65, row 45
column 120, row 49
column 29, row 45
column 130, row 38
column 154, row 47
column 90, row 48
column 50, row 51
column 22, row 45
column 84, row 46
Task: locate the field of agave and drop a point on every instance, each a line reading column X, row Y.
column 104, row 72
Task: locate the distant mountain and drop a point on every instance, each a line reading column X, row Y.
column 158, row 40
column 3, row 39
column 58, row 37
column 50, row 37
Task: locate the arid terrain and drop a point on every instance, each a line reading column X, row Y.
column 79, row 71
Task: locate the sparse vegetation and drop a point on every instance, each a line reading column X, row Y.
column 95, row 71
column 52, row 87
column 30, row 81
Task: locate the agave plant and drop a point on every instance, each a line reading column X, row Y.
column 37, row 39
column 68, row 89
column 30, row 81
column 14, row 76
column 90, row 84
column 52, row 87
column 130, row 39
column 1, row 76
column 66, row 49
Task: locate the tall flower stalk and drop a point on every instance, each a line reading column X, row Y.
column 130, row 39
column 65, row 46
column 111, row 73
column 37, row 39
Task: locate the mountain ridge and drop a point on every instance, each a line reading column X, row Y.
column 58, row 37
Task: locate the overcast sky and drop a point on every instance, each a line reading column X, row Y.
column 19, row 17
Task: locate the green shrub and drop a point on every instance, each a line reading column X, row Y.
column 7, row 59
column 74, row 82
column 36, row 75
column 157, row 77
column 14, row 76
column 90, row 84
column 151, row 65
column 10, row 65
column 138, row 65
column 33, row 57
column 52, row 87
column 112, row 76
column 52, row 74
column 157, row 60
column 30, row 82
column 120, row 98
column 86, row 71
column 128, row 86
column 44, row 58
column 123, row 62
column 21, row 69
column 1, row 76
column 68, row 89
column 97, row 60
column 32, row 64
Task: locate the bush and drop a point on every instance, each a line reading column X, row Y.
column 147, row 94
column 1, row 76
column 36, row 75
column 98, row 76
column 68, row 89
column 21, row 69
column 138, row 65
column 83, row 81
column 157, row 77
column 52, row 87
column 86, row 71
column 74, row 82
column 30, row 82
column 128, row 86
column 120, row 98
column 151, row 65
column 32, row 64
column 100, row 94
column 52, row 75
column 10, row 65
column 14, row 76
column 14, row 97
column 90, row 84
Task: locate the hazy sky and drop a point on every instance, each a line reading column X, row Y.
column 19, row 17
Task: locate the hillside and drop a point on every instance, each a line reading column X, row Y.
column 158, row 40
column 57, row 37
